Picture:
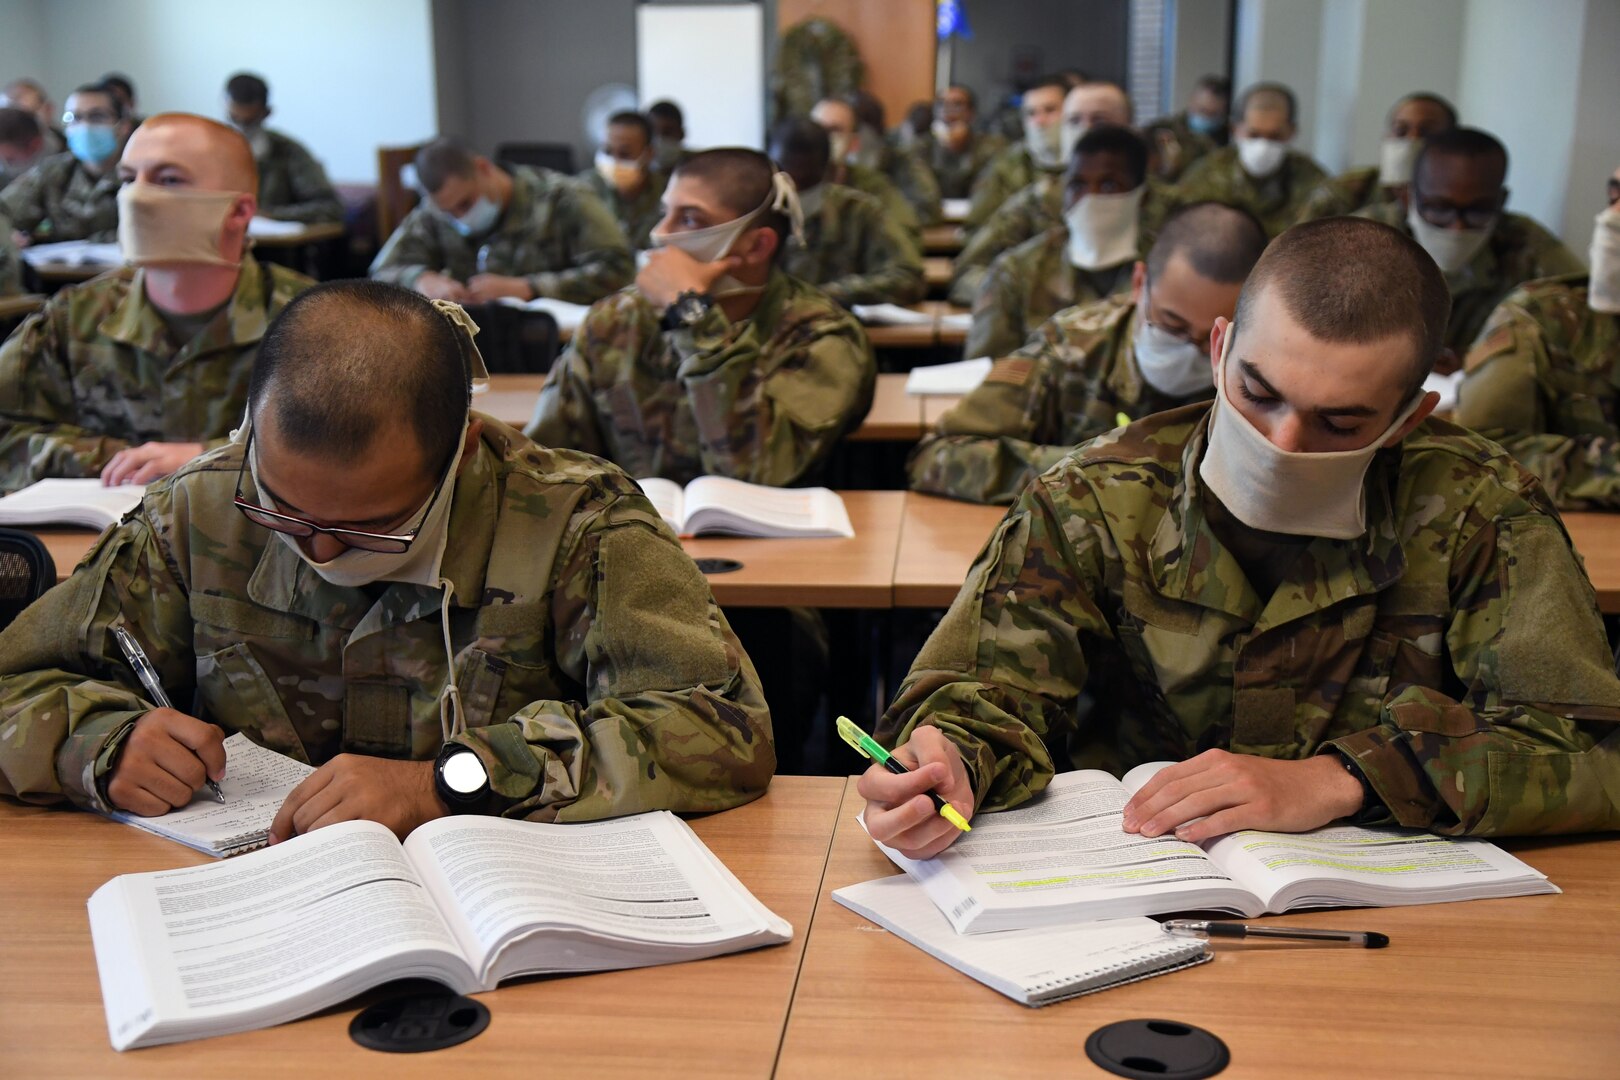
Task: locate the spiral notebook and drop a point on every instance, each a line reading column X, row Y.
column 257, row 781
column 1033, row 967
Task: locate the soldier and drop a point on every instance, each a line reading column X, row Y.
column 715, row 362
column 375, row 580
column 626, row 179
column 952, row 149
column 22, row 144
column 1330, row 607
column 1041, row 151
column 10, row 263
column 1454, row 209
column 901, row 182
column 123, row 88
column 853, row 250
column 1544, row 378
column 1258, row 171
column 669, row 134
column 74, row 195
column 483, row 233
column 1413, row 119
column 133, row 374
column 292, row 184
column 1110, row 217
column 1182, row 139
column 29, row 96
column 1093, row 366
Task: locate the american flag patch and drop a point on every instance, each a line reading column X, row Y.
column 1013, row 370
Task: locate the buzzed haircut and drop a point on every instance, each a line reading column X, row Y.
column 1269, row 95
column 345, row 358
column 1219, row 85
column 18, row 127
column 107, row 92
column 441, row 159
column 1220, row 242
column 667, row 110
column 1112, row 139
column 1352, row 280
column 963, row 88
column 1467, row 143
column 631, row 118
column 121, row 84
column 1430, row 99
column 247, row 89
column 741, row 180
column 1054, row 82
column 1072, row 77
column 800, row 139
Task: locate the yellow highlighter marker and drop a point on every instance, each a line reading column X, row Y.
column 868, row 748
column 1121, row 420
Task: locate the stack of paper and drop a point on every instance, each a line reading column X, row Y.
column 73, row 253
column 958, row 377
column 955, row 209
column 892, row 315
column 267, row 227
column 568, row 316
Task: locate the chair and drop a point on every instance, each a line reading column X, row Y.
column 394, row 198
column 514, row 340
column 558, row 156
column 26, row 571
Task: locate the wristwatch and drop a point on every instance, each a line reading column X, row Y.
column 1372, row 807
column 687, row 309
column 460, row 780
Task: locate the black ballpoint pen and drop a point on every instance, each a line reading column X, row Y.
column 1366, row 939
column 145, row 672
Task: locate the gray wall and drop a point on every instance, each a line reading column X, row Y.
column 1085, row 34
column 1201, row 30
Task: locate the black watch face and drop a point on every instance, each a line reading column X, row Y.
column 464, row 773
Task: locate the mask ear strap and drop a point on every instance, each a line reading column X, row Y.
column 452, row 718
column 784, row 199
column 457, row 315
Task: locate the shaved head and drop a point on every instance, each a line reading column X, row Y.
column 1098, row 103
column 214, row 155
column 834, row 115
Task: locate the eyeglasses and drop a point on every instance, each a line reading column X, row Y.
column 1445, row 214
column 293, row 525
column 94, row 116
column 1185, row 337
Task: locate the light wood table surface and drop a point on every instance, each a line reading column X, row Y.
column 910, row 336
column 63, row 274
column 713, row 1018
column 939, row 539
column 937, row 272
column 510, row 398
column 936, row 406
column 946, row 239
column 1514, row 989
column 15, row 307
column 309, row 234
column 1597, row 538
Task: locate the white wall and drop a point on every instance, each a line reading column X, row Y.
column 1199, row 47
column 1279, row 41
column 344, row 76
column 1596, row 149
column 22, row 43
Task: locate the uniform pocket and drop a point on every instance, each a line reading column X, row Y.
column 239, row 695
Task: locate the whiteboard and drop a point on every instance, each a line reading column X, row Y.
column 710, row 60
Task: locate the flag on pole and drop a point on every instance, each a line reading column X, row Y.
column 951, row 19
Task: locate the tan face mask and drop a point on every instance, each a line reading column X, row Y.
column 159, row 225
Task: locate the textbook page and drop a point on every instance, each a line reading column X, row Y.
column 568, row 316
column 226, row 947
column 86, row 253
column 718, row 504
column 257, row 781
column 84, row 502
column 956, row 377
column 624, row 892
column 667, row 498
column 891, row 315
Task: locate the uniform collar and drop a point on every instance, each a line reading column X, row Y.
column 1125, row 378
column 136, row 322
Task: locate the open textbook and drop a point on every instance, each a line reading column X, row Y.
column 466, row 901
column 257, row 781
column 718, row 505
column 1066, row 857
column 69, row 502
column 85, row 253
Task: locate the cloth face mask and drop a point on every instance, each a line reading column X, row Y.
column 1396, row 159
column 162, row 225
column 715, row 242
column 1603, row 285
column 1451, row 249
column 1045, row 143
column 1261, row 158
column 1103, row 229
column 1168, row 364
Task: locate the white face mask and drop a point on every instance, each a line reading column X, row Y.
column 1168, row 364
column 942, row 131
column 715, row 242
column 1261, row 158
column 1045, row 143
column 1283, row 491
column 478, row 220
column 1103, row 229
column 838, row 146
column 621, row 175
column 1451, row 249
column 1396, row 159
column 1603, row 285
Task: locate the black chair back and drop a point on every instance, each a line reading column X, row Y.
column 514, row 340
column 26, row 571
column 558, row 156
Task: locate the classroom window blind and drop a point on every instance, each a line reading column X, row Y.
column 1146, row 70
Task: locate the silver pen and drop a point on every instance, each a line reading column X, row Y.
column 145, row 672
column 1200, row 928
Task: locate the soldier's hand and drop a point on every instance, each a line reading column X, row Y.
column 437, row 286
column 669, row 271
column 147, row 462
column 899, row 812
column 355, row 787
column 165, row 760
column 1241, row 791
column 487, row 287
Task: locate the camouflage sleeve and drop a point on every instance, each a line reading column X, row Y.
column 66, row 695
column 921, row 190
column 315, row 201
column 1003, row 671
column 599, row 256
column 1555, row 259
column 38, row 437
column 674, row 717
column 1009, row 226
column 773, row 428
column 1327, row 199
column 992, row 187
column 10, row 262
column 891, row 261
column 1530, row 742
column 565, row 414
column 998, row 326
column 23, row 201
column 412, row 251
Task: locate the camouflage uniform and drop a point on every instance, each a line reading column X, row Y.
column 54, row 144
column 872, row 182
column 637, row 216
column 764, row 400
column 1007, row 174
column 553, row 232
column 910, row 175
column 1519, row 250
column 1278, row 201
column 856, row 253
column 10, row 262
column 1071, row 382
column 292, row 184
column 1454, row 653
column 1030, row 212
column 1544, row 381
column 1346, row 193
column 1175, row 146
column 58, row 200
column 597, row 675
column 97, row 371
column 815, row 59
column 955, row 173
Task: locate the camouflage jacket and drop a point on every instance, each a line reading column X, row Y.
column 292, row 184
column 763, row 400
column 1454, row 653
column 1346, row 193
column 1278, row 201
column 1028, row 285
column 597, row 675
column 637, row 216
column 1544, row 381
column 815, row 59
column 1175, row 146
column 1072, row 381
column 856, row 252
column 553, row 232
column 96, row 371
column 871, row 182
column 54, row 144
column 955, row 173
column 907, row 171
column 1519, row 250
column 58, row 200
column 1028, row 213
column 1008, row 173
column 10, row 262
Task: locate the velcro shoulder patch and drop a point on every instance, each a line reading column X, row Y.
column 1012, row 370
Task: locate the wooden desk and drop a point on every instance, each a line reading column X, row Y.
column 944, row 239
column 309, row 234
column 936, row 406
column 857, row 573
column 67, row 547
column 16, row 307
column 895, row 416
column 951, row 335
column 510, row 398
column 1491, row 988
column 62, row 274
column 911, row 336
column 937, row 271
column 939, row 539
column 1597, row 538
column 720, row 1017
